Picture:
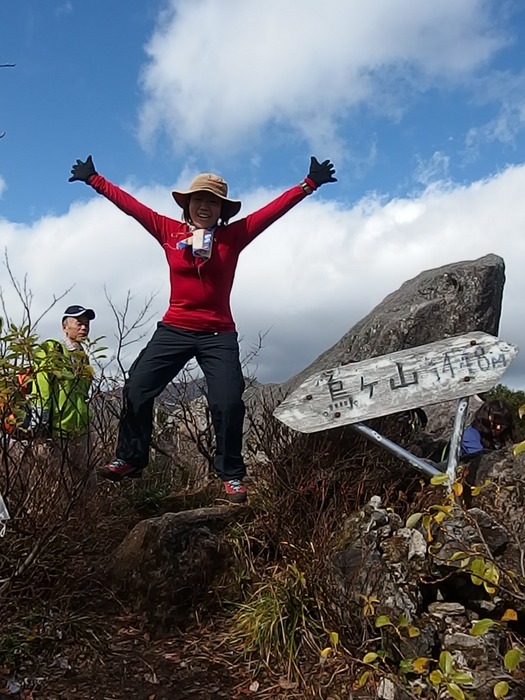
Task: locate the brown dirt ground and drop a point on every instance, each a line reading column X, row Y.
column 124, row 662
column 65, row 636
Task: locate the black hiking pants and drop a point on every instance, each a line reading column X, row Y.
column 161, row 360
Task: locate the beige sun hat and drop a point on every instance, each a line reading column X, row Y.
column 209, row 182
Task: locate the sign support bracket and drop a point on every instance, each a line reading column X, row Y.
column 421, row 465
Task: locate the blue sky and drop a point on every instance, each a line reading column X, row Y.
column 421, row 107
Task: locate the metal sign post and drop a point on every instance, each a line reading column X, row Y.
column 454, row 368
column 420, row 464
column 455, row 441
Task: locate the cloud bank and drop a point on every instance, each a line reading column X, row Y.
column 305, row 281
column 220, row 73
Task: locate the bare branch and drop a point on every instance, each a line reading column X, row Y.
column 129, row 333
column 25, row 295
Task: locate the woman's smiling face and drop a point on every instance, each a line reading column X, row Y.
column 205, row 209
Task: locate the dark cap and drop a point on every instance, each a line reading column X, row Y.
column 77, row 311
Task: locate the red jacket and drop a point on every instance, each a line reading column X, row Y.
column 200, row 290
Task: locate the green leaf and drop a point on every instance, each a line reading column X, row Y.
column 363, row 679
column 435, row 677
column 334, row 638
column 439, row 479
column 446, row 662
column 512, row 659
column 459, row 555
column 413, row 632
column 405, row 666
column 492, row 573
column 446, row 510
column 413, row 520
column 477, row 568
column 382, row 621
column 519, row 448
column 481, row 627
column 455, row 691
column 403, row 621
column 500, row 689
column 462, row 678
column 370, row 657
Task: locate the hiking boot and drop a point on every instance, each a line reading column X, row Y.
column 117, row 469
column 235, row 490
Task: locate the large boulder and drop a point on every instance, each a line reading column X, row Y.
column 447, row 301
column 167, row 565
column 439, row 303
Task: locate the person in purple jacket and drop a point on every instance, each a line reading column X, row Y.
column 492, row 427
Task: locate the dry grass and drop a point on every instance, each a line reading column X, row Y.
column 302, row 490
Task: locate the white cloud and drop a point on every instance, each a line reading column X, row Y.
column 324, row 268
column 504, row 128
column 225, row 71
column 65, row 8
column 505, row 90
column 308, row 279
column 432, row 170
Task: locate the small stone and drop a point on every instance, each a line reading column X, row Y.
column 459, row 641
column 444, row 609
column 386, row 690
column 417, row 546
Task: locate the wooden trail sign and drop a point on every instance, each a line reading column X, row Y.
column 447, row 369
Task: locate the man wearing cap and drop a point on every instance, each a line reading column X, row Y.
column 202, row 252
column 61, row 386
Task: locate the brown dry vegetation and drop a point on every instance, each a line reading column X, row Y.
column 262, row 629
column 65, row 634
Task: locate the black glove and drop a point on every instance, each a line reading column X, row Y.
column 320, row 173
column 82, row 170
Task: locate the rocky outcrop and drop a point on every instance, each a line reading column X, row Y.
column 440, row 303
column 425, row 579
column 448, row 301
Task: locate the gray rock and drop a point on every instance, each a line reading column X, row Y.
column 447, row 301
column 501, row 480
column 494, row 534
column 383, row 563
column 439, row 303
column 443, row 609
column 473, row 647
column 374, row 561
column 166, row 565
column 386, row 690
